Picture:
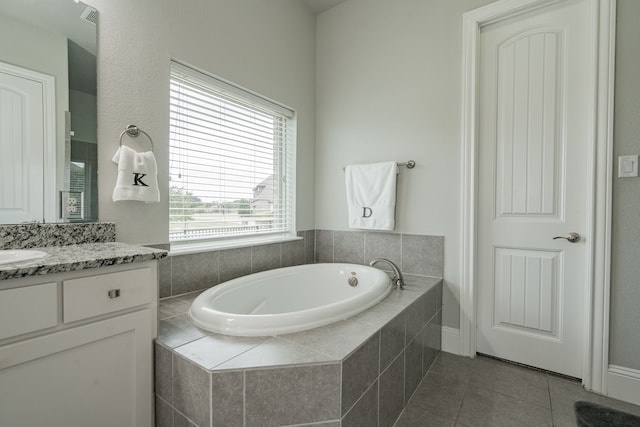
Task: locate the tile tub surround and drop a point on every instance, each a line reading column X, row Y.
column 181, row 274
column 360, row 371
column 80, row 257
column 27, row 236
column 421, row 255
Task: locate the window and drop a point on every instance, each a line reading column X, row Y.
column 231, row 162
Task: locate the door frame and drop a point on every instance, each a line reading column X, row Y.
column 600, row 170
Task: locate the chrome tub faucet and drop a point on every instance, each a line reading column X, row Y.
column 397, row 279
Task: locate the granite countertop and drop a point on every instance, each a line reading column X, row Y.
column 80, row 257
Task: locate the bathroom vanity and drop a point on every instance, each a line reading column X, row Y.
column 76, row 337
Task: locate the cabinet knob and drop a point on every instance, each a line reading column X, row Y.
column 114, row 293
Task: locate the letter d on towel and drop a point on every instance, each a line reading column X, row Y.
column 371, row 195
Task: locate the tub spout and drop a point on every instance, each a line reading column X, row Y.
column 397, row 279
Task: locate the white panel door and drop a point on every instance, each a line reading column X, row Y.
column 21, row 149
column 534, row 119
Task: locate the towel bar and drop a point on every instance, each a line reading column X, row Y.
column 133, row 131
column 409, row 164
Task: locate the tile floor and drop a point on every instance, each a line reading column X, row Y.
column 465, row 392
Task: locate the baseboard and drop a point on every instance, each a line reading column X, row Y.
column 451, row 340
column 622, row 383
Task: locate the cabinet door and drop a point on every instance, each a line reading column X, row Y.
column 93, row 375
column 28, row 309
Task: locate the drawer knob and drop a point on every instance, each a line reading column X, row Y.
column 114, row 293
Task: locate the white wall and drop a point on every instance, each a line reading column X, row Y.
column 389, row 88
column 265, row 46
column 46, row 53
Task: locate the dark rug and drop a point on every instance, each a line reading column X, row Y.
column 593, row 415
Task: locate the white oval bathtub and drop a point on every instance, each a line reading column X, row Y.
column 289, row 299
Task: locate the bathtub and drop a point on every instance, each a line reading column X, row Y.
column 289, row 299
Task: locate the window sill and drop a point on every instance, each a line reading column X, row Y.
column 179, row 248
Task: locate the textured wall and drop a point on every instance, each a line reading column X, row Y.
column 267, row 47
column 625, row 283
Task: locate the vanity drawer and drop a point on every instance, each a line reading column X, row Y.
column 28, row 309
column 96, row 295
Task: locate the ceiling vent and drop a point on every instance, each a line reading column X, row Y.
column 90, row 15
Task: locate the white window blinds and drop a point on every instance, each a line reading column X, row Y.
column 231, row 161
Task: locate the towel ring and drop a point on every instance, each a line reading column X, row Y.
column 134, row 131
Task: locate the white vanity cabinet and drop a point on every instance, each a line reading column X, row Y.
column 76, row 349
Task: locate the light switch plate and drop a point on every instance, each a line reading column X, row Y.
column 628, row 166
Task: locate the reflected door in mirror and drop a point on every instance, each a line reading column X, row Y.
column 58, row 39
column 23, row 125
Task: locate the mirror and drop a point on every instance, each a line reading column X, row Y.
column 48, row 114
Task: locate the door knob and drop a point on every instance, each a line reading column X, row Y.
column 572, row 237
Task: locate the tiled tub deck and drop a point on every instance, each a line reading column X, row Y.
column 357, row 372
